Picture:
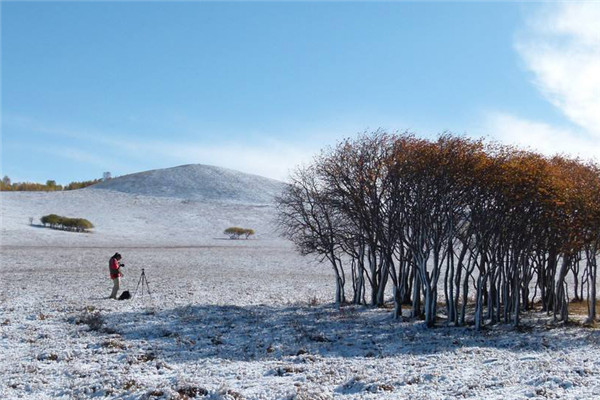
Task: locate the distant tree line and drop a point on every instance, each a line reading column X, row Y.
column 50, row 186
column 82, row 184
column 8, row 186
column 236, row 232
column 65, row 223
column 493, row 228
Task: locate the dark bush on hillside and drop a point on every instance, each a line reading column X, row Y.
column 236, row 232
column 51, row 219
column 65, row 223
column 81, row 185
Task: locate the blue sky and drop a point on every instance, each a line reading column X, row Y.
column 260, row 87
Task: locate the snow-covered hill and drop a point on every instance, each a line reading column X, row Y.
column 197, row 182
column 181, row 206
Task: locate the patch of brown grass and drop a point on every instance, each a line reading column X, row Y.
column 581, row 307
column 114, row 344
column 130, row 384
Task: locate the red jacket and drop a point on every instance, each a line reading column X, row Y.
column 113, row 267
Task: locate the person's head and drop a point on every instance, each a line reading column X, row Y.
column 117, row 256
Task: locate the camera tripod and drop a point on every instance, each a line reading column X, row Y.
column 144, row 282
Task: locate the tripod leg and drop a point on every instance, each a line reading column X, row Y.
column 147, row 286
column 138, row 285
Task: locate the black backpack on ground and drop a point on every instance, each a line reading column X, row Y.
column 125, row 295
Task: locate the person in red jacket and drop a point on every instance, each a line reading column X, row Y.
column 114, row 268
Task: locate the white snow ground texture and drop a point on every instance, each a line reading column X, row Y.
column 245, row 319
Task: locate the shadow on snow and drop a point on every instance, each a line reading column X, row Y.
column 271, row 333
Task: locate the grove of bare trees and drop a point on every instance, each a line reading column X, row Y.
column 491, row 229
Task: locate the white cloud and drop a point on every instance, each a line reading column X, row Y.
column 562, row 48
column 560, row 45
column 541, row 137
column 272, row 159
column 124, row 154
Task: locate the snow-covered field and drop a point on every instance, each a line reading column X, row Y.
column 246, row 319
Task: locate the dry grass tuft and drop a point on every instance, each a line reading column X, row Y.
column 581, row 307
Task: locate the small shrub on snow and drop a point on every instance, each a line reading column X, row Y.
column 94, row 320
column 235, row 232
column 65, row 223
column 380, row 387
column 114, row 344
column 148, row 356
column 191, row 391
column 130, row 384
column 286, row 370
column 216, row 340
column 47, row 357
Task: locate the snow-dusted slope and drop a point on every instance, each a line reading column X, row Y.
column 233, row 319
column 122, row 219
column 181, row 206
column 197, row 182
